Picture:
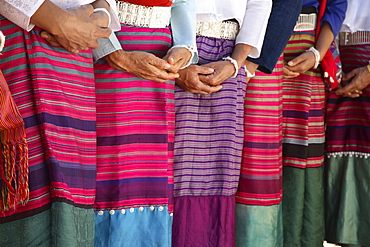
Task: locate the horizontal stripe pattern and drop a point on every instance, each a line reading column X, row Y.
column 348, row 127
column 209, row 131
column 135, row 128
column 261, row 167
column 303, row 109
column 55, row 93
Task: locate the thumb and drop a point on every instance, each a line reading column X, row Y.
column 295, row 61
column 158, row 63
column 87, row 8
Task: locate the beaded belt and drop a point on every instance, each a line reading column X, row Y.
column 306, row 22
column 143, row 16
column 220, row 29
column 356, row 38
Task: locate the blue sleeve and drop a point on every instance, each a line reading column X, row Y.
column 335, row 13
column 183, row 24
column 283, row 18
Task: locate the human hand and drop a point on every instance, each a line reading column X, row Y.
column 251, row 67
column 287, row 73
column 178, row 57
column 354, row 82
column 72, row 29
column 189, row 80
column 100, row 18
column 299, row 65
column 141, row 64
column 222, row 71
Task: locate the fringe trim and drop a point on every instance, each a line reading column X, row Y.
column 13, row 168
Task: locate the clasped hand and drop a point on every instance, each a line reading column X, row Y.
column 354, row 82
column 205, row 79
column 80, row 30
column 298, row 65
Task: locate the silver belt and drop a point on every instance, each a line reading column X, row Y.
column 356, row 38
column 219, row 29
column 143, row 16
column 306, row 22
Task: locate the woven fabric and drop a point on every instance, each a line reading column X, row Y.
column 303, row 110
column 348, row 120
column 55, row 93
column 14, row 151
column 135, row 128
column 347, row 162
column 260, row 179
column 303, row 150
column 208, row 148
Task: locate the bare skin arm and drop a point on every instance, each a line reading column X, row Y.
column 306, row 60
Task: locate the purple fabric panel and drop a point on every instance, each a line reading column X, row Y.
column 209, row 131
column 204, row 221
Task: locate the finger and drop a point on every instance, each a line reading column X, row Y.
column 349, row 76
column 208, row 79
column 50, row 38
column 159, row 63
column 161, row 75
column 208, row 89
column 287, row 73
column 204, row 70
column 295, row 61
column 173, row 58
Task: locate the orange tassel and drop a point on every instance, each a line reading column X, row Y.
column 14, row 152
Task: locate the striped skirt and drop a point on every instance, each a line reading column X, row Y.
column 54, row 91
column 347, row 162
column 258, row 209
column 135, row 129
column 208, row 148
column 303, row 150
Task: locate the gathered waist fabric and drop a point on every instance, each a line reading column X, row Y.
column 143, row 16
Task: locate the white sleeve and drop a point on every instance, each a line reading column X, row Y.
column 115, row 24
column 253, row 29
column 20, row 12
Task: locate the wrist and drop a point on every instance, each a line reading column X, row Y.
column 317, row 55
column 234, row 63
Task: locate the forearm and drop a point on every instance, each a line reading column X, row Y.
column 241, row 52
column 324, row 40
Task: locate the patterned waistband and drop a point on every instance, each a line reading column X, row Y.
column 306, row 22
column 356, row 38
column 219, row 29
column 143, row 16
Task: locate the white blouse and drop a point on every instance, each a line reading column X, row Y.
column 252, row 16
column 357, row 16
column 20, row 12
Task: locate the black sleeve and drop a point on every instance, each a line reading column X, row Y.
column 284, row 15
